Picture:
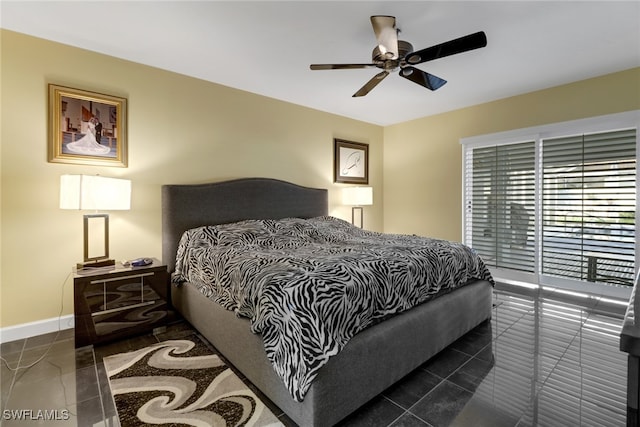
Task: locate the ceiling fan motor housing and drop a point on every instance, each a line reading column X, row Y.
column 381, row 60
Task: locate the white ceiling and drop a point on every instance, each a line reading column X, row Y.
column 266, row 47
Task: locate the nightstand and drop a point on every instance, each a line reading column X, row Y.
column 116, row 302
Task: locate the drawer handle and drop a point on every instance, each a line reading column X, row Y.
column 118, row 279
column 128, row 307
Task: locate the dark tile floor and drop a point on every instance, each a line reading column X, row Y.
column 546, row 358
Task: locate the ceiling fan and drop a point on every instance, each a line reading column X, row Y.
column 391, row 54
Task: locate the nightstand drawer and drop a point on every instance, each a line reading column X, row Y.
column 117, row 294
column 120, row 302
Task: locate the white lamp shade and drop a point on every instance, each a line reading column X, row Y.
column 94, row 192
column 357, row 196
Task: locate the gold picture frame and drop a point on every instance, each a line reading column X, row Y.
column 86, row 127
column 350, row 162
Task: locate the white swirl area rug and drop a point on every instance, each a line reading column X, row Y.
column 182, row 383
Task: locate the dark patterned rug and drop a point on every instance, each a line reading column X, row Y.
column 181, row 382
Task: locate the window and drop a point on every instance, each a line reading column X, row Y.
column 588, row 207
column 502, row 205
column 555, row 204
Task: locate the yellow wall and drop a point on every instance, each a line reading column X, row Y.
column 180, row 130
column 423, row 157
column 184, row 130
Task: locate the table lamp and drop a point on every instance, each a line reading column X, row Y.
column 96, row 193
column 357, row 197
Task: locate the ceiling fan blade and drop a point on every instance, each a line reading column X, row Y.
column 371, row 84
column 423, row 79
column 385, row 29
column 339, row 66
column 452, row 47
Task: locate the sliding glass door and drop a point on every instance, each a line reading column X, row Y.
column 555, row 205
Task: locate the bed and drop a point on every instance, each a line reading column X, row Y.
column 372, row 360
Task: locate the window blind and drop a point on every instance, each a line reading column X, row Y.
column 557, row 209
column 501, row 203
column 588, row 207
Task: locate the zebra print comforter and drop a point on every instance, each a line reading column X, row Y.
column 308, row 286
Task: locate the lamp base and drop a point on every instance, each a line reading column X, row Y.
column 96, row 264
column 353, row 215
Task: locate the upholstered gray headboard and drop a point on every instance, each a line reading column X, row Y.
column 189, row 206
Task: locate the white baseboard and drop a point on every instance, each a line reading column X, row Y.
column 32, row 329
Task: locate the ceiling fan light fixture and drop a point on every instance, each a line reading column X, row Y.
column 386, row 33
column 388, row 55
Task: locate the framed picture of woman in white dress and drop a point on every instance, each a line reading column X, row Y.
column 87, row 128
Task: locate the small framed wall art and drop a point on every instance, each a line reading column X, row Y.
column 86, row 127
column 350, row 162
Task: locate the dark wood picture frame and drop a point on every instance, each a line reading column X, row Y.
column 86, row 127
column 350, row 162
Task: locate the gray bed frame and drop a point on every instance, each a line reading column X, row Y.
column 373, row 360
